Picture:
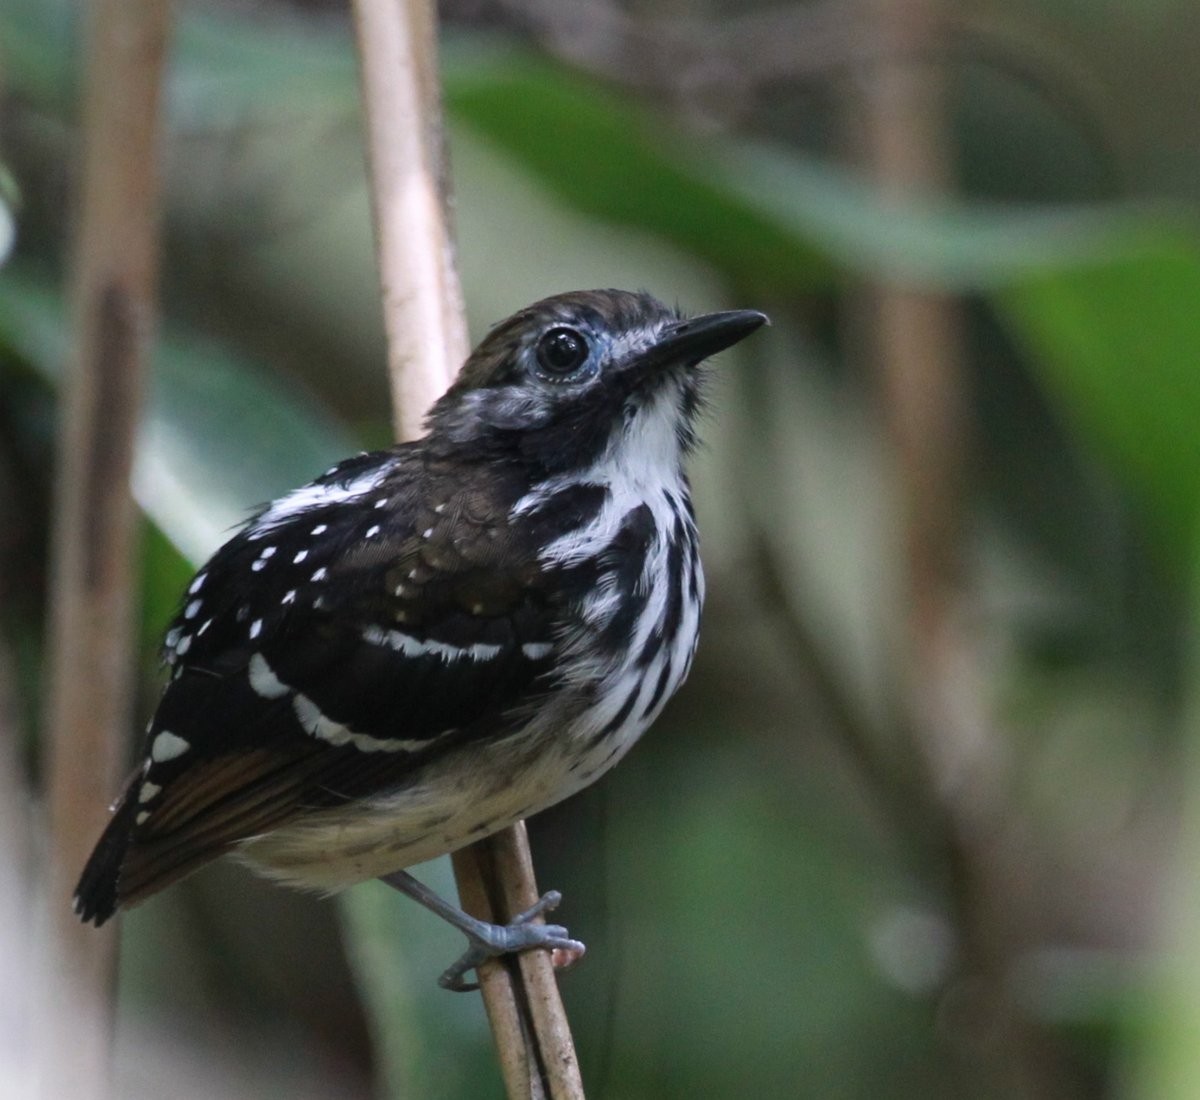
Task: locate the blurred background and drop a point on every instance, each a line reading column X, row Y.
column 924, row 821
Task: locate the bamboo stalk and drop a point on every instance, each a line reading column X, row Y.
column 422, row 302
column 90, row 682
column 427, row 341
column 916, row 342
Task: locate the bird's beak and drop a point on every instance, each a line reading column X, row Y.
column 697, row 338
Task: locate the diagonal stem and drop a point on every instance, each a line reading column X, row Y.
column 426, row 343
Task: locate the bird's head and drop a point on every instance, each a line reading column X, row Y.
column 572, row 377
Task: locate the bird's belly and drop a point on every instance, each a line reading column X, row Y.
column 484, row 790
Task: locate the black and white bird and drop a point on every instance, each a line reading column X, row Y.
column 434, row 641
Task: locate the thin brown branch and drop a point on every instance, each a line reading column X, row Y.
column 90, row 683
column 914, row 340
column 422, row 302
column 426, row 343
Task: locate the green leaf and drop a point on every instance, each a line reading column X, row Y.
column 606, row 157
column 771, row 219
column 1116, row 340
column 939, row 244
column 219, row 435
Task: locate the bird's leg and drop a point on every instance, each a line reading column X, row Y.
column 489, row 940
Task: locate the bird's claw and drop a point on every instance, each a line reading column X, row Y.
column 520, row 934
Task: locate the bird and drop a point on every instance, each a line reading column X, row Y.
column 433, row 641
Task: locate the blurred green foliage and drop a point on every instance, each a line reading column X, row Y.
column 760, row 922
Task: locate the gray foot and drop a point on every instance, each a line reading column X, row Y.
column 489, row 941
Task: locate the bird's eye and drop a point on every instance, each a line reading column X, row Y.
column 561, row 351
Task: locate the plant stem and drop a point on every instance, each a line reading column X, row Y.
column 90, row 682
column 426, row 343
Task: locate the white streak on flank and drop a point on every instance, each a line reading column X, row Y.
column 320, row 574
column 414, row 647
column 263, row 680
column 167, row 746
column 197, row 584
column 689, row 626
column 185, row 643
column 640, row 465
column 372, row 531
column 193, row 609
column 316, row 495
column 300, row 556
column 289, row 596
column 535, row 651
column 320, row 529
column 309, row 715
column 148, row 792
column 143, row 816
column 256, row 628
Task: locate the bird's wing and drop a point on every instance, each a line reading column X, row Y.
column 352, row 631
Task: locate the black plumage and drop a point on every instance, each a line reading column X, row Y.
column 432, row 641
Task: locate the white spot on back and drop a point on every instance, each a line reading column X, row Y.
column 316, row 495
column 300, row 556
column 320, row 528
column 148, row 791
column 197, row 584
column 263, row 679
column 427, row 533
column 256, row 628
column 372, row 531
column 535, row 651
column 320, row 574
column 143, row 816
column 258, row 566
column 185, row 643
column 193, row 609
column 289, row 596
column 167, row 746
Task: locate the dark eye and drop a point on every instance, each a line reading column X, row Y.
column 561, row 351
